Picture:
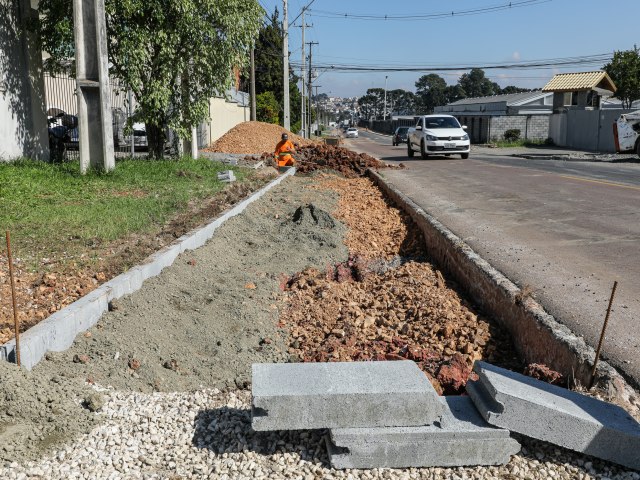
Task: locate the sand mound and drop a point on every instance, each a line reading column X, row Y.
column 253, row 137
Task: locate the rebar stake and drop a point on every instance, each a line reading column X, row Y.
column 13, row 296
column 604, row 327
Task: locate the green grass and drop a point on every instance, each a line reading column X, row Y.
column 519, row 143
column 54, row 210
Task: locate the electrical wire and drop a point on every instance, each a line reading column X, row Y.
column 429, row 16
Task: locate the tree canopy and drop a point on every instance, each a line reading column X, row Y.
column 173, row 54
column 624, row 70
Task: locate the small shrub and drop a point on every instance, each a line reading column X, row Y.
column 512, row 135
column 549, row 141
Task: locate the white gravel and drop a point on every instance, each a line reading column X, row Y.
column 207, row 435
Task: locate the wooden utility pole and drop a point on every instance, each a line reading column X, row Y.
column 285, row 61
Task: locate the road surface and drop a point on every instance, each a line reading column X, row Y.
column 565, row 229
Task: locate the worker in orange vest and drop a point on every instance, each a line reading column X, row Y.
column 284, row 149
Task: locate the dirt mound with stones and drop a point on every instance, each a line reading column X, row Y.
column 252, row 138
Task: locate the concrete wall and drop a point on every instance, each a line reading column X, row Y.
column 590, row 130
column 23, row 124
column 224, row 116
column 532, row 127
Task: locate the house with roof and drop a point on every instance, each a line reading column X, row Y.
column 488, row 118
column 580, row 119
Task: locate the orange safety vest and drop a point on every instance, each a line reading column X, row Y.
column 283, row 155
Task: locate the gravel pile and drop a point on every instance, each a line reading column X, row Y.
column 207, row 434
column 252, row 138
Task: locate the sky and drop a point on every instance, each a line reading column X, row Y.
column 534, row 30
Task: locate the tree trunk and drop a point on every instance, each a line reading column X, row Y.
column 156, row 140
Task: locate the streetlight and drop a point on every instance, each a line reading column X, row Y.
column 384, row 116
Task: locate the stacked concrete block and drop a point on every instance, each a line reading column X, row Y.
column 547, row 412
column 295, row 396
column 461, row 438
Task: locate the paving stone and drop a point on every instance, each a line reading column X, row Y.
column 461, row 438
column 562, row 417
column 296, row 396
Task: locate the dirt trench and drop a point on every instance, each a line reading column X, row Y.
column 322, row 268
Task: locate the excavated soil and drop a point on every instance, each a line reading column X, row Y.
column 253, row 137
column 387, row 302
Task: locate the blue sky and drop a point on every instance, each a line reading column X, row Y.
column 545, row 29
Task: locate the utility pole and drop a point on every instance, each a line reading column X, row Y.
column 252, row 91
column 384, row 115
column 310, row 90
column 303, row 125
column 285, row 58
column 317, row 105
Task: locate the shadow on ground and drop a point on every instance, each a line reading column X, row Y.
column 228, row 430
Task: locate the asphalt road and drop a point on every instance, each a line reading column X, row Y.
column 565, row 229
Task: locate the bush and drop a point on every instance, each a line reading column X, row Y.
column 267, row 108
column 512, row 135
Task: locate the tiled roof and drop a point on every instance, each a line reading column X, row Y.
column 572, row 82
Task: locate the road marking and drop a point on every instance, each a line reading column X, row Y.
column 602, row 182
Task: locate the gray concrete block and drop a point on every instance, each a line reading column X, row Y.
column 550, row 413
column 461, row 438
column 292, row 396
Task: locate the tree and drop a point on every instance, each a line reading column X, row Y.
column 512, row 89
column 401, row 102
column 267, row 108
column 624, row 70
column 430, row 90
column 476, row 84
column 173, row 54
column 269, row 67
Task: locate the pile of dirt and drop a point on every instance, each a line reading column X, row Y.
column 37, row 411
column 252, row 138
column 339, row 159
column 405, row 313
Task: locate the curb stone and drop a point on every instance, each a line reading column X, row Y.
column 57, row 332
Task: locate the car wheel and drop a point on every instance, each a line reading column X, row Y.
column 410, row 151
column 638, row 147
column 423, row 152
column 393, row 143
column 464, row 156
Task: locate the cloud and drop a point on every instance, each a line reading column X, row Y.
column 515, row 55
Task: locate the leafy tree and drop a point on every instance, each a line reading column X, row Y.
column 173, row 54
column 401, row 101
column 453, row 93
column 624, row 70
column 269, row 68
column 476, row 84
column 267, row 108
column 430, row 90
column 512, row 89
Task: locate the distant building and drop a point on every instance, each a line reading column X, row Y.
column 579, row 91
column 488, row 118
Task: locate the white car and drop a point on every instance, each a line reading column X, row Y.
column 438, row 135
column 352, row 132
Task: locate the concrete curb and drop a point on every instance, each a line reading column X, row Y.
column 537, row 336
column 569, row 158
column 57, row 332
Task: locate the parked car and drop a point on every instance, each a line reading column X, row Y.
column 399, row 136
column 352, row 132
column 438, row 135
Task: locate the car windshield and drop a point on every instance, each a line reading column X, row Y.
column 403, row 130
column 352, row 129
column 441, row 122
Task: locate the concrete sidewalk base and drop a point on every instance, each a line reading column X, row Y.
column 298, row 396
column 550, row 413
column 462, row 438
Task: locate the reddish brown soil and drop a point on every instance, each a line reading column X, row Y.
column 252, row 138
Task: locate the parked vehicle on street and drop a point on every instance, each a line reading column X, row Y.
column 626, row 132
column 352, row 132
column 399, row 136
column 438, row 135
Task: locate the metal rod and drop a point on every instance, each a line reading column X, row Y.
column 13, row 296
column 604, row 328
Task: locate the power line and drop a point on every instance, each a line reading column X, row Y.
column 429, row 16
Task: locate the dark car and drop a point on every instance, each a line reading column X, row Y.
column 399, row 136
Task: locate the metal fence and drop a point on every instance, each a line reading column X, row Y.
column 62, row 114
